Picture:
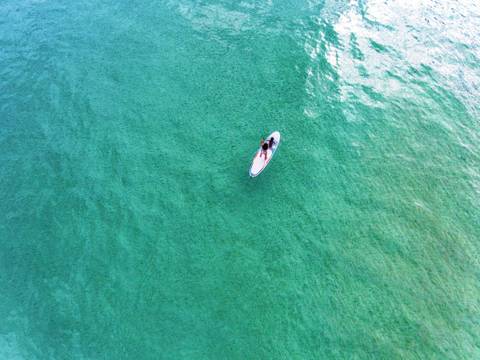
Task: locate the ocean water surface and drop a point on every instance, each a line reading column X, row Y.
column 129, row 228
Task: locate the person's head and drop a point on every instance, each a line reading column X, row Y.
column 265, row 146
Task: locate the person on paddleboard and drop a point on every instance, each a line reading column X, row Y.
column 271, row 142
column 265, row 146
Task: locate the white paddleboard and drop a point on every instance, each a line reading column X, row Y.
column 259, row 162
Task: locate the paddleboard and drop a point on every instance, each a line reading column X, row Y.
column 259, row 162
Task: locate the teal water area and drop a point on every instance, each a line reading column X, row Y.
column 129, row 228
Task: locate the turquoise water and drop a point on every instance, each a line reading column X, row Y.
column 129, row 228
